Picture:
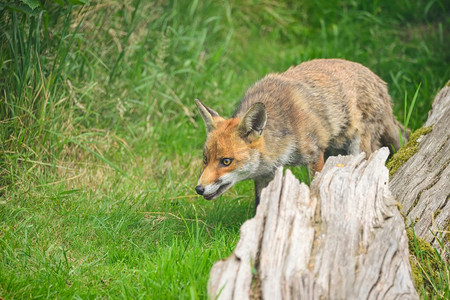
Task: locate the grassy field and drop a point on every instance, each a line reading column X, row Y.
column 100, row 142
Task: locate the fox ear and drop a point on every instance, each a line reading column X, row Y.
column 253, row 123
column 207, row 115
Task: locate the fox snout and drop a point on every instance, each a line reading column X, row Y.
column 213, row 190
column 199, row 189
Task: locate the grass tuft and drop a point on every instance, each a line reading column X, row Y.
column 430, row 270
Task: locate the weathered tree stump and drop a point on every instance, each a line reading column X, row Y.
column 342, row 239
column 422, row 184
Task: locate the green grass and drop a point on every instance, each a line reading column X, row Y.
column 100, row 142
column 430, row 268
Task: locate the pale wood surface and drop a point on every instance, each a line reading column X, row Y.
column 342, row 239
column 422, row 184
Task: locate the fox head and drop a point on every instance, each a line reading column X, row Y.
column 232, row 151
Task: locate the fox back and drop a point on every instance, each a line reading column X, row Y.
column 319, row 108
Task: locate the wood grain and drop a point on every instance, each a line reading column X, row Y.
column 342, row 239
column 422, row 184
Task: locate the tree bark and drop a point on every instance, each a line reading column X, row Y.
column 343, row 238
column 422, row 184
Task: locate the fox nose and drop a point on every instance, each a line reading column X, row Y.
column 199, row 189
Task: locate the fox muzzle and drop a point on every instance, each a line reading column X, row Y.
column 199, row 189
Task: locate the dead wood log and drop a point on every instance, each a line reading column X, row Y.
column 342, row 239
column 422, row 184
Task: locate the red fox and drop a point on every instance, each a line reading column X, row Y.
column 319, row 108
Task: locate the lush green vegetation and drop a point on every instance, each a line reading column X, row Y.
column 100, row 143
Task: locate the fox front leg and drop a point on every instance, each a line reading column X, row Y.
column 260, row 183
column 318, row 164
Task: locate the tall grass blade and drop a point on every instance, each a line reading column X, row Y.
column 408, row 112
column 96, row 154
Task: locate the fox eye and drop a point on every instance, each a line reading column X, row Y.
column 226, row 161
column 205, row 160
